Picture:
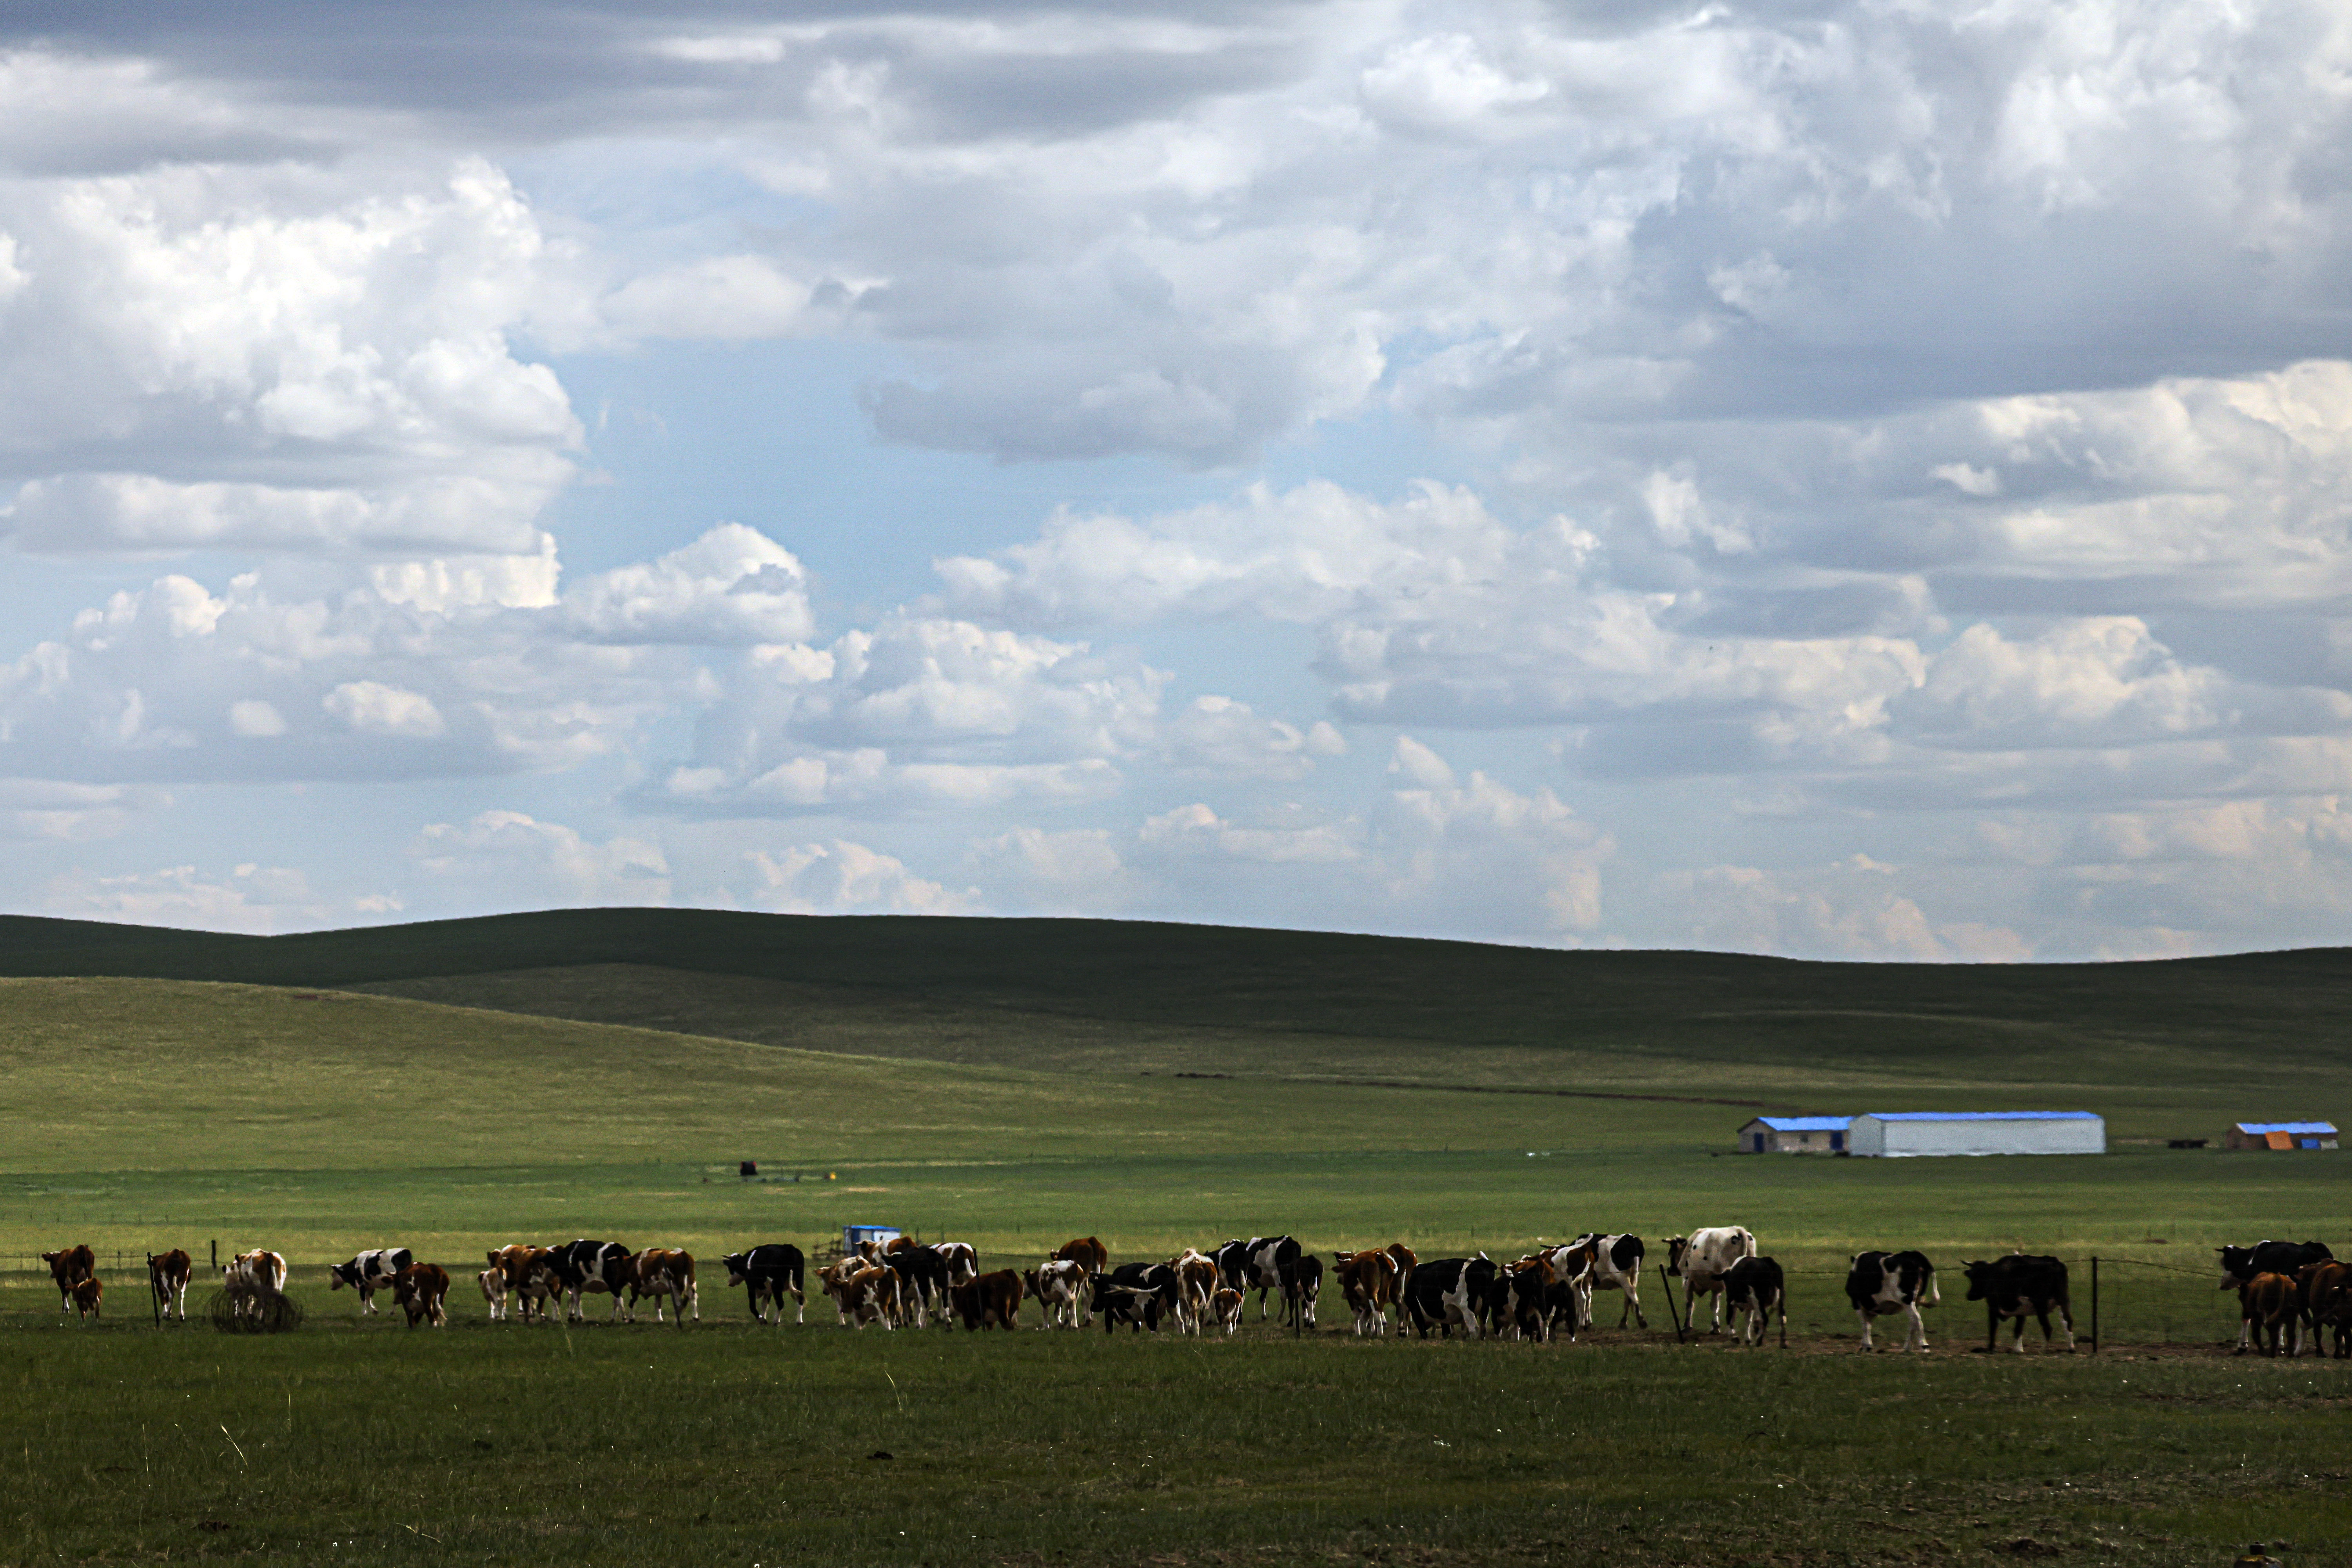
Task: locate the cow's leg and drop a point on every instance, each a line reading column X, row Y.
column 1864, row 1313
column 1919, row 1331
column 2067, row 1320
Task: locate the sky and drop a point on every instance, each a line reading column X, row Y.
column 1842, row 479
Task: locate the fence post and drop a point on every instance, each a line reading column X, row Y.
column 2095, row 1304
column 216, row 1255
column 1666, row 1283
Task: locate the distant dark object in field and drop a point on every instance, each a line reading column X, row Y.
column 212, row 1526
column 748, row 1169
column 2186, row 1143
column 1198, row 1075
column 881, row 1454
column 265, row 1313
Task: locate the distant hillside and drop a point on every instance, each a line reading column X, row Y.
column 1127, row 996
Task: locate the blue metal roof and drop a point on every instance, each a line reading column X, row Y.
column 1984, row 1115
column 1807, row 1124
column 2326, row 1128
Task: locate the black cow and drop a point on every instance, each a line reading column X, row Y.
column 1301, row 1290
column 1136, row 1293
column 2020, row 1286
column 2240, row 1265
column 922, row 1280
column 1883, row 1282
column 1448, row 1292
column 1753, row 1290
column 768, row 1271
column 367, row 1271
column 586, row 1266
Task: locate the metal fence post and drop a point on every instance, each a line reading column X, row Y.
column 2095, row 1304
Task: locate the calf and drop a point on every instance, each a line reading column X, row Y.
column 988, row 1300
column 1445, row 1293
column 2327, row 1302
column 1060, row 1288
column 1702, row 1258
column 1885, row 1282
column 368, row 1270
column 1305, row 1290
column 2240, row 1265
column 584, row 1268
column 2267, row 1307
column 862, row 1292
column 494, row 1290
column 168, row 1274
column 768, row 1271
column 421, row 1288
column 658, row 1272
column 2021, row 1287
column 87, row 1292
column 69, row 1265
column 1138, row 1294
column 1756, row 1289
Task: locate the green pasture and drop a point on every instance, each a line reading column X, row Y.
column 731, row 1444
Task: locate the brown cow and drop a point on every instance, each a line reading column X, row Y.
column 1196, row 1286
column 69, row 1265
column 1085, row 1250
column 422, row 1288
column 2269, row 1305
column 529, row 1279
column 2327, row 1298
column 87, row 1294
column 660, row 1271
column 168, row 1274
column 1226, row 1307
column 862, row 1292
column 989, row 1301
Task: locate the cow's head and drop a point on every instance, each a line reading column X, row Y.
column 735, row 1263
column 1675, row 1247
column 1981, row 1279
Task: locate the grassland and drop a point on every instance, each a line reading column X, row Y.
column 456, row 1085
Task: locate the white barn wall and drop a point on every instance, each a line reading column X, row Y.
column 1904, row 1138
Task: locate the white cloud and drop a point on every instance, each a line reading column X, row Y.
column 1224, row 739
column 842, row 878
column 519, row 861
column 375, row 708
column 733, row 585
column 253, row 899
column 1845, row 912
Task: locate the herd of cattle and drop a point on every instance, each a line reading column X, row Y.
column 2284, row 1287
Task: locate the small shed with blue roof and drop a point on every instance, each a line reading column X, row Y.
column 1795, row 1135
column 1899, row 1134
column 2282, row 1135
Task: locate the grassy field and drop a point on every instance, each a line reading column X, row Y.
column 1010, row 1083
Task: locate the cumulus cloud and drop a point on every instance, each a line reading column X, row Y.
column 842, row 878
column 259, row 900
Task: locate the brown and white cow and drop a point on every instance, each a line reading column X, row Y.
column 1225, row 1309
column 1060, row 1288
column 658, row 1272
column 988, row 1300
column 251, row 1278
column 493, row 1282
column 168, row 1274
column 1369, row 1281
column 67, row 1267
column 422, row 1289
column 2269, row 1306
column 87, row 1292
column 1196, row 1283
column 862, row 1292
column 2327, row 1289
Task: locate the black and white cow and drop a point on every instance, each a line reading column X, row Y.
column 1301, row 1290
column 1136, row 1293
column 1263, row 1263
column 1448, row 1292
column 2021, row 1287
column 368, row 1270
column 767, row 1272
column 1608, row 1263
column 1880, row 1283
column 2241, row 1265
column 587, row 1267
column 1514, row 1305
column 922, row 1283
column 1702, row 1258
column 1754, row 1290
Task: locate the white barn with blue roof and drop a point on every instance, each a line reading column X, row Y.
column 1795, row 1135
column 1902, row 1134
